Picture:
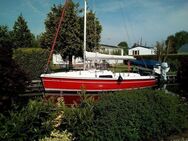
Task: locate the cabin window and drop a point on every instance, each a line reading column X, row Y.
column 105, row 76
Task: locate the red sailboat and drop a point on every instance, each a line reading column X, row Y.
column 93, row 80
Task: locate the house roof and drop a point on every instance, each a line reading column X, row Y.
column 108, row 46
column 183, row 48
column 137, row 45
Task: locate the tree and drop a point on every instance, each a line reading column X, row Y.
column 22, row 36
column 70, row 40
column 93, row 31
column 181, row 38
column 177, row 40
column 124, row 45
column 160, row 50
column 5, row 44
column 35, row 41
column 68, row 43
column 170, row 43
column 13, row 79
column 5, row 37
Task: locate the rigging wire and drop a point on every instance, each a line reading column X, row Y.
column 56, row 35
column 123, row 23
column 126, row 16
column 125, row 27
column 96, row 48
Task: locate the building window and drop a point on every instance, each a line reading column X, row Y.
column 135, row 52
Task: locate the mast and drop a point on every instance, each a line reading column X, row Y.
column 84, row 51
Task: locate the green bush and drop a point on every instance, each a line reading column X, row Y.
column 79, row 119
column 183, row 75
column 31, row 60
column 31, row 123
column 129, row 115
column 12, row 77
column 58, row 136
column 139, row 115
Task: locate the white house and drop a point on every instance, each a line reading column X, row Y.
column 111, row 50
column 141, row 50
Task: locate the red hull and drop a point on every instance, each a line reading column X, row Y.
column 95, row 85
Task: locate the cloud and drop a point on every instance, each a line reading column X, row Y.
column 150, row 20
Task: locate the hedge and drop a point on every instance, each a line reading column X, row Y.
column 79, row 119
column 139, row 115
column 129, row 115
column 31, row 60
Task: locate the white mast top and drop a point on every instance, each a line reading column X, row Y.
column 84, row 51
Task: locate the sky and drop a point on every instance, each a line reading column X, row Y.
column 122, row 20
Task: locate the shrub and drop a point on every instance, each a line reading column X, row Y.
column 31, row 60
column 183, row 75
column 128, row 115
column 79, row 119
column 58, row 136
column 13, row 79
column 30, row 123
column 138, row 115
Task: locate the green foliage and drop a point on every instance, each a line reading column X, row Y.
column 30, row 123
column 139, row 115
column 161, row 53
column 35, row 41
column 93, row 31
column 171, row 41
column 129, row 115
column 31, row 60
column 22, row 37
column 177, row 40
column 70, row 38
column 5, row 37
column 124, row 45
column 174, row 64
column 68, row 43
column 79, row 119
column 13, row 79
column 183, row 74
column 56, row 135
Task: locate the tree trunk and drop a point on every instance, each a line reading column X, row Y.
column 70, row 62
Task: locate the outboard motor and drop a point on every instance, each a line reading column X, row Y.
column 162, row 69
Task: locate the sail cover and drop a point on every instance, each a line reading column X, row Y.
column 99, row 56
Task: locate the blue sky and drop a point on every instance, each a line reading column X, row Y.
column 122, row 20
